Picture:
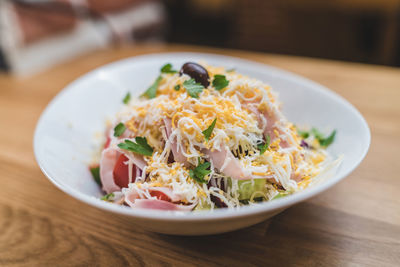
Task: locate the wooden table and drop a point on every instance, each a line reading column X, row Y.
column 357, row 222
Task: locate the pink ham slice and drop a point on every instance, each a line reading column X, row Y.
column 166, row 191
column 109, row 158
column 158, row 205
column 253, row 109
column 178, row 156
column 232, row 168
column 137, row 160
column 269, row 126
column 134, row 200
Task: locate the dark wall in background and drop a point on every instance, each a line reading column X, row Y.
column 327, row 29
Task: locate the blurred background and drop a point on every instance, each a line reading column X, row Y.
column 37, row 34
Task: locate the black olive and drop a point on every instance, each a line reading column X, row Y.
column 217, row 201
column 197, row 72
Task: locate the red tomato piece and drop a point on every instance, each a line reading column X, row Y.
column 160, row 195
column 121, row 172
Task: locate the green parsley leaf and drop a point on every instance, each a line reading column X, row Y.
column 95, row 171
column 107, row 197
column 317, row 134
column 220, row 82
column 119, row 129
column 152, row 90
column 193, row 88
column 167, row 68
column 207, row 132
column 200, row 172
column 177, row 87
column 127, row 98
column 324, row 142
column 303, row 134
column 329, row 140
column 140, row 147
column 264, row 146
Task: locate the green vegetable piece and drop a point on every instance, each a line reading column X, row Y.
column 177, row 87
column 119, row 129
column 193, row 88
column 318, row 135
column 140, row 147
column 202, row 205
column 264, row 146
column 220, row 82
column 167, row 68
column 248, row 187
column 127, row 98
column 303, row 134
column 107, row 197
column 329, row 140
column 200, row 172
column 151, row 92
column 324, row 142
column 207, row 132
column 95, row 171
column 280, row 195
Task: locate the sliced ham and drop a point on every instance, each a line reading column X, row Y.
column 225, row 162
column 296, row 177
column 157, row 205
column 167, row 192
column 108, row 161
column 137, row 160
column 178, row 156
column 267, row 122
column 109, row 158
column 261, row 120
column 134, row 200
column 133, row 194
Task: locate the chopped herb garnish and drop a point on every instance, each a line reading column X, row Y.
column 119, row 129
column 231, row 70
column 107, row 197
column 177, row 87
column 200, row 172
column 167, row 68
column 140, row 147
column 327, row 141
column 127, row 98
column 193, row 88
column 264, row 146
column 324, row 142
column 207, row 132
column 317, row 133
column 95, row 171
column 303, row 134
column 220, row 82
column 152, row 90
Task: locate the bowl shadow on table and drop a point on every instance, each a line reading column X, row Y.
column 292, row 237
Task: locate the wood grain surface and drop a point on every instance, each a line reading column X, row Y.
column 355, row 223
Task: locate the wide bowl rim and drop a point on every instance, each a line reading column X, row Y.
column 201, row 215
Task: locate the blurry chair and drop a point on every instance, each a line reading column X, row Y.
column 35, row 35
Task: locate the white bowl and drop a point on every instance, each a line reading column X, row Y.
column 64, row 138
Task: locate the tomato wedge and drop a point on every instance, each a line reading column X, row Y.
column 160, row 195
column 121, row 172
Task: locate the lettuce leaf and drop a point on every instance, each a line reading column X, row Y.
column 247, row 188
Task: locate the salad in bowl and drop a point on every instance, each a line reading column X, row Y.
column 203, row 137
